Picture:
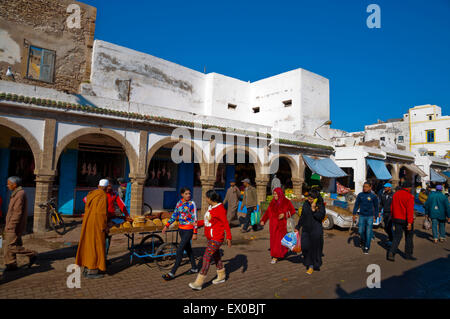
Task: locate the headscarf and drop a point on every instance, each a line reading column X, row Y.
column 281, row 197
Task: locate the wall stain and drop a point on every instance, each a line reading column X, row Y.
column 111, row 64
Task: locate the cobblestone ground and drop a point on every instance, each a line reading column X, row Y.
column 250, row 274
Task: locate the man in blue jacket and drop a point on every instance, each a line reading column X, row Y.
column 367, row 203
column 437, row 208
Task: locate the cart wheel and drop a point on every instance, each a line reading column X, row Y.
column 328, row 222
column 149, row 244
column 169, row 250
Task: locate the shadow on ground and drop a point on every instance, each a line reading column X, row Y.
column 431, row 280
column 43, row 264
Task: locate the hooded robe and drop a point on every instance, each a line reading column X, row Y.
column 91, row 248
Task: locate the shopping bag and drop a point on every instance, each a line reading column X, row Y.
column 298, row 245
column 426, row 224
column 290, row 224
column 289, row 240
column 255, row 217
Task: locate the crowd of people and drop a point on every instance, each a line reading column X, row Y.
column 103, row 204
column 397, row 209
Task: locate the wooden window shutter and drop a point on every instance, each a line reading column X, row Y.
column 47, row 65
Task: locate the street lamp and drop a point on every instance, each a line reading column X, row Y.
column 325, row 123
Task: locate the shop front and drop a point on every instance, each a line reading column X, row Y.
column 16, row 159
column 81, row 166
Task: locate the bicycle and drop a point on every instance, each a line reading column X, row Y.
column 55, row 219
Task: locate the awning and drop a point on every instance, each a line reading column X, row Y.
column 435, row 177
column 379, row 169
column 446, row 173
column 325, row 167
column 414, row 168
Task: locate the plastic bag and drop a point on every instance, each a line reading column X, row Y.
column 289, row 240
column 426, row 224
column 290, row 224
column 298, row 245
column 255, row 217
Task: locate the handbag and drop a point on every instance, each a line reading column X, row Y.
column 290, row 225
column 426, row 224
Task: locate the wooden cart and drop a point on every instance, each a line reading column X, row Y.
column 152, row 245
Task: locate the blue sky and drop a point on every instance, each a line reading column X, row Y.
column 374, row 73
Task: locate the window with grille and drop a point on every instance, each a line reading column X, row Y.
column 430, row 136
column 41, row 64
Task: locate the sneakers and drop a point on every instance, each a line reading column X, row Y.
column 441, row 240
column 192, row 271
column 168, row 277
column 273, row 261
column 366, row 251
column 310, row 271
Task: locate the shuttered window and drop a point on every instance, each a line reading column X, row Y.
column 41, row 64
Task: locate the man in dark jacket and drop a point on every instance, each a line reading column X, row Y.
column 385, row 205
column 437, row 209
column 16, row 222
column 367, row 203
column 402, row 209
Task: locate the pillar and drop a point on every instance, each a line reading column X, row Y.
column 138, row 178
column 137, row 194
column 261, row 188
column 297, row 187
column 207, row 184
column 45, row 176
column 297, row 183
column 395, row 175
column 44, row 187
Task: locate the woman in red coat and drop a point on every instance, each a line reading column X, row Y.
column 280, row 208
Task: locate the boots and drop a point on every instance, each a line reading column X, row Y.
column 197, row 285
column 220, row 276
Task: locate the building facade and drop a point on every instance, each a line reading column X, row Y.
column 74, row 110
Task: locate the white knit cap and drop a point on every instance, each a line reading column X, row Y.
column 103, row 183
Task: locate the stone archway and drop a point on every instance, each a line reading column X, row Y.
column 129, row 151
column 29, row 138
column 169, row 140
column 261, row 179
column 198, row 153
column 294, row 167
column 257, row 164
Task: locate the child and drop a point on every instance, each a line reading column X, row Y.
column 216, row 224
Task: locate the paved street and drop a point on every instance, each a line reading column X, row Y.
column 250, row 275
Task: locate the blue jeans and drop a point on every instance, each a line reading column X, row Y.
column 365, row 229
column 435, row 224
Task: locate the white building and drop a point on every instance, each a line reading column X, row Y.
column 430, row 130
column 296, row 101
